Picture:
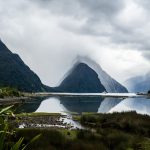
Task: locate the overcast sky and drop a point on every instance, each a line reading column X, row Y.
column 50, row 34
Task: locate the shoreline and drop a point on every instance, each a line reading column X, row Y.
column 13, row 100
column 17, row 100
column 34, row 96
column 42, row 120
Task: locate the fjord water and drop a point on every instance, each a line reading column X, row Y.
column 77, row 104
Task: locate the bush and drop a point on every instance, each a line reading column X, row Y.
column 50, row 137
column 5, row 92
column 129, row 122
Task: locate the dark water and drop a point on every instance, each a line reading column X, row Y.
column 86, row 104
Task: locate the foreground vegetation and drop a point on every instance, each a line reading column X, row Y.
column 9, row 92
column 8, row 133
column 117, row 131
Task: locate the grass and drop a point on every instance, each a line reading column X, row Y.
column 129, row 122
column 9, row 92
column 50, row 139
column 116, row 131
column 82, row 139
column 69, row 134
column 34, row 114
column 76, row 117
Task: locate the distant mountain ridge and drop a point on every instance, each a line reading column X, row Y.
column 15, row 73
column 76, row 77
column 139, row 83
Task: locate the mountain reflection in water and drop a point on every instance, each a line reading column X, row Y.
column 62, row 104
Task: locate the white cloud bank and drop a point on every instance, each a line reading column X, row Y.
column 50, row 34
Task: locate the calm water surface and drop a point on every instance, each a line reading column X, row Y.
column 68, row 105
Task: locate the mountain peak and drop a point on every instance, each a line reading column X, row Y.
column 88, row 69
column 81, row 67
column 81, row 79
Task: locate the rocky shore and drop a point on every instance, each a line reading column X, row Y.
column 41, row 120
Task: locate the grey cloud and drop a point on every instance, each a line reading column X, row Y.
column 49, row 34
column 98, row 14
column 147, row 55
column 100, row 20
column 131, row 39
column 101, row 8
column 89, row 8
column 145, row 4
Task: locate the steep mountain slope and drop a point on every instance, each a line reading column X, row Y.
column 109, row 83
column 75, row 78
column 139, row 83
column 14, row 73
column 81, row 79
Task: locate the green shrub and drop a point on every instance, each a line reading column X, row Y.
column 48, row 138
column 7, row 134
column 5, row 92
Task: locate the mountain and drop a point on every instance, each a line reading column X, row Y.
column 82, row 79
column 88, row 76
column 139, row 83
column 15, row 73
